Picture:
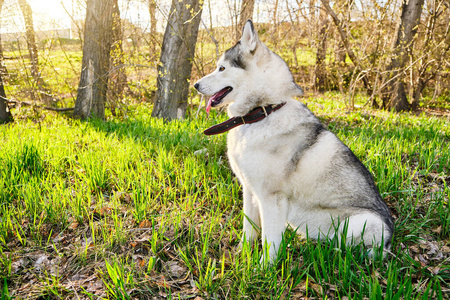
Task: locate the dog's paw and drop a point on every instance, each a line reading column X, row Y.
column 244, row 244
column 267, row 260
column 376, row 253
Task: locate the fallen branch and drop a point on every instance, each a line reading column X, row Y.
column 9, row 101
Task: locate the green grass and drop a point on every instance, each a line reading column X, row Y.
column 126, row 208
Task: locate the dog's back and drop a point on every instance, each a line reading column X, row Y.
column 292, row 156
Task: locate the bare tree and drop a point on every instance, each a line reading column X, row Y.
column 92, row 88
column 436, row 46
column 117, row 75
column 345, row 9
column 5, row 113
column 152, row 5
column 346, row 42
column 177, row 55
column 275, row 17
column 3, row 70
column 31, row 42
column 153, row 20
column 319, row 72
column 396, row 97
column 247, row 8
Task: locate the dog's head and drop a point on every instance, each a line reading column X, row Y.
column 248, row 75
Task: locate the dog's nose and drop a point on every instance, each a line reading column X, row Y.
column 196, row 85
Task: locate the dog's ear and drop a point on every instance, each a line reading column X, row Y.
column 249, row 39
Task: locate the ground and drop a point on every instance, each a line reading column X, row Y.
column 135, row 208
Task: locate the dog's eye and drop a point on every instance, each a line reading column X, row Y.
column 221, row 68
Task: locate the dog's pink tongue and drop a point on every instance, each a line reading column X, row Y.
column 214, row 97
column 208, row 105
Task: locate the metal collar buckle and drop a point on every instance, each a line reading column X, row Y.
column 264, row 109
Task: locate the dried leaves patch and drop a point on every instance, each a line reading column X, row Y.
column 72, row 265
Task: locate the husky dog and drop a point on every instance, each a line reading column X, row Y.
column 292, row 170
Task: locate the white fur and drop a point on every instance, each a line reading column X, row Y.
column 278, row 190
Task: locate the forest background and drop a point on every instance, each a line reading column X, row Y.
column 393, row 52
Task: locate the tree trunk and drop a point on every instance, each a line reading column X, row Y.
column 3, row 71
column 117, row 75
column 417, row 93
column 31, row 42
column 247, row 8
column 153, row 34
column 345, row 9
column 312, row 12
column 321, row 53
column 153, row 20
column 177, row 55
column 395, row 97
column 92, row 88
column 275, row 14
column 5, row 113
column 275, row 19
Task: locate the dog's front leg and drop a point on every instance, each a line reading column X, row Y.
column 273, row 222
column 252, row 221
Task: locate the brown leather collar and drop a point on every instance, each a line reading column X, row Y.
column 253, row 116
